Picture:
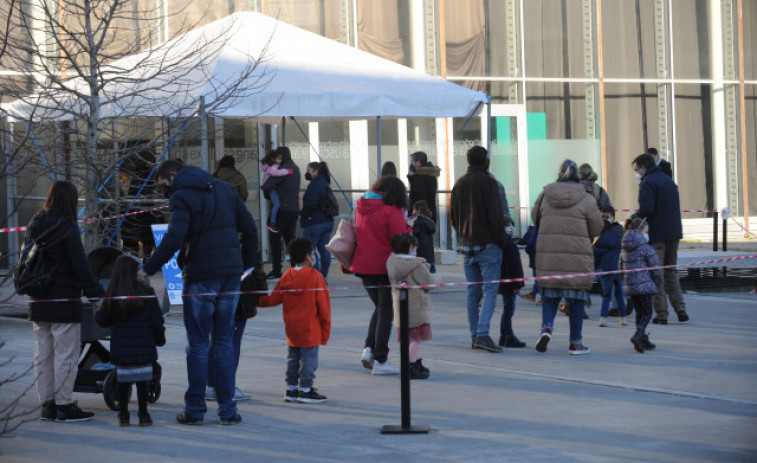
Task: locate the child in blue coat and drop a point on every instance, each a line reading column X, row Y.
column 641, row 285
column 606, row 256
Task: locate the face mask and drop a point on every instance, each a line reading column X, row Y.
column 638, row 176
column 646, row 237
column 609, row 220
column 414, row 253
column 308, row 177
column 510, row 230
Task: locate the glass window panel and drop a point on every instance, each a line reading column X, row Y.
column 749, row 18
column 389, row 146
column 383, row 29
column 693, row 165
column 628, row 41
column 554, row 38
column 324, row 17
column 241, row 142
column 564, row 105
column 691, row 39
column 631, row 125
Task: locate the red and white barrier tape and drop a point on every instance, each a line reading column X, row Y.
column 91, row 219
column 431, row 286
column 742, row 227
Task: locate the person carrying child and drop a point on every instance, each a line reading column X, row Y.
column 641, row 285
column 307, row 320
column 137, row 328
column 512, row 268
column 404, row 265
column 606, row 255
column 271, row 165
column 424, row 229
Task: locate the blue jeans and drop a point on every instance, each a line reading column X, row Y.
column 319, row 235
column 301, row 365
column 575, row 317
column 209, row 320
column 506, row 324
column 482, row 266
column 237, row 344
column 612, row 286
column 274, row 195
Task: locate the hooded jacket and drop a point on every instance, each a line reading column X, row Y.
column 414, row 271
column 637, row 254
column 660, row 204
column 568, row 219
column 288, row 186
column 424, row 185
column 66, row 258
column 375, row 225
column 209, row 216
column 307, row 306
column 314, row 203
column 476, row 211
column 607, row 247
column 234, row 178
column 424, row 229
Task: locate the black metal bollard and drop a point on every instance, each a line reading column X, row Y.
column 725, row 232
column 405, row 427
column 715, row 231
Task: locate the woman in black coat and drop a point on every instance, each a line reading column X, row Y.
column 57, row 325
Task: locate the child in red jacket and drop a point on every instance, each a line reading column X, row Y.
column 307, row 320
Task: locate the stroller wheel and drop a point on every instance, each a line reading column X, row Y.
column 153, row 389
column 109, row 391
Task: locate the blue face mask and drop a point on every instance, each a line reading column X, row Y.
column 646, row 237
column 414, row 253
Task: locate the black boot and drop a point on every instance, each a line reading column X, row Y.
column 646, row 343
column 418, row 371
column 637, row 343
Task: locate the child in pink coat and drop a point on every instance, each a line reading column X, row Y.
column 271, row 168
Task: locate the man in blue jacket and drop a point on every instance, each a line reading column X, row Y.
column 207, row 218
column 288, row 188
column 660, row 205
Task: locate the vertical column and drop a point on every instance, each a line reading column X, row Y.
column 430, row 37
column 717, row 98
column 511, row 49
column 446, row 154
column 10, row 188
column 359, row 157
column 344, row 21
column 219, row 140
column 664, row 93
column 404, row 159
column 587, row 14
column 732, row 105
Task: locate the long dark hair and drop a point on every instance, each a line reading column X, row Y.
column 389, row 169
column 123, row 282
column 392, row 190
column 270, row 158
column 323, row 170
column 62, row 198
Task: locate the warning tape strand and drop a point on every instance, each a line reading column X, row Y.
column 429, row 286
column 91, row 219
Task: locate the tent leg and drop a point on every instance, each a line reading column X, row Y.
column 378, row 147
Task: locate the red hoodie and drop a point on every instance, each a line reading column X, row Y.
column 307, row 310
column 375, row 225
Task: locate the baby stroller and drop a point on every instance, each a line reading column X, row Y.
column 96, row 374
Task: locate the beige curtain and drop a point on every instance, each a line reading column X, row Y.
column 378, row 29
column 465, row 40
column 317, row 16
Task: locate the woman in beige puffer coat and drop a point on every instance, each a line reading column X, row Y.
column 568, row 219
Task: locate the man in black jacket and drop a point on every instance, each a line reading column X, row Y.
column 207, row 218
column 477, row 216
column 288, row 188
column 660, row 205
column 422, row 177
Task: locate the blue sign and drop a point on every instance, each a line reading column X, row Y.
column 171, row 270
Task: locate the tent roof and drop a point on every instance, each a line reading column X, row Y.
column 299, row 74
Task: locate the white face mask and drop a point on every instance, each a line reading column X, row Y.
column 638, row 176
column 609, row 220
column 646, row 237
column 510, row 230
column 414, row 253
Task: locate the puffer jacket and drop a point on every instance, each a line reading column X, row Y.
column 209, row 216
column 134, row 335
column 568, row 220
column 607, row 247
column 637, row 254
column 314, row 202
column 424, row 185
column 65, row 256
column 234, row 178
column 375, row 225
column 414, row 271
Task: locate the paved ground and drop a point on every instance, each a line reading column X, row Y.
column 693, row 399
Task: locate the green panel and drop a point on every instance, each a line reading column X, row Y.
column 536, row 126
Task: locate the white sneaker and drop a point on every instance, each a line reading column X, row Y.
column 210, row 393
column 241, row 395
column 367, row 358
column 385, row 368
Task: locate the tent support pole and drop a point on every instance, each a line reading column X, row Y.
column 489, row 126
column 378, row 147
column 204, row 134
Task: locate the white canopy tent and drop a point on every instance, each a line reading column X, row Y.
column 299, row 74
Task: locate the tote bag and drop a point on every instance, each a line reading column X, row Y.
column 342, row 244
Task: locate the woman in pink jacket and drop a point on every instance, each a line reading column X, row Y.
column 379, row 216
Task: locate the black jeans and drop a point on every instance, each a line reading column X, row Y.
column 380, row 326
column 286, row 223
column 122, row 396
